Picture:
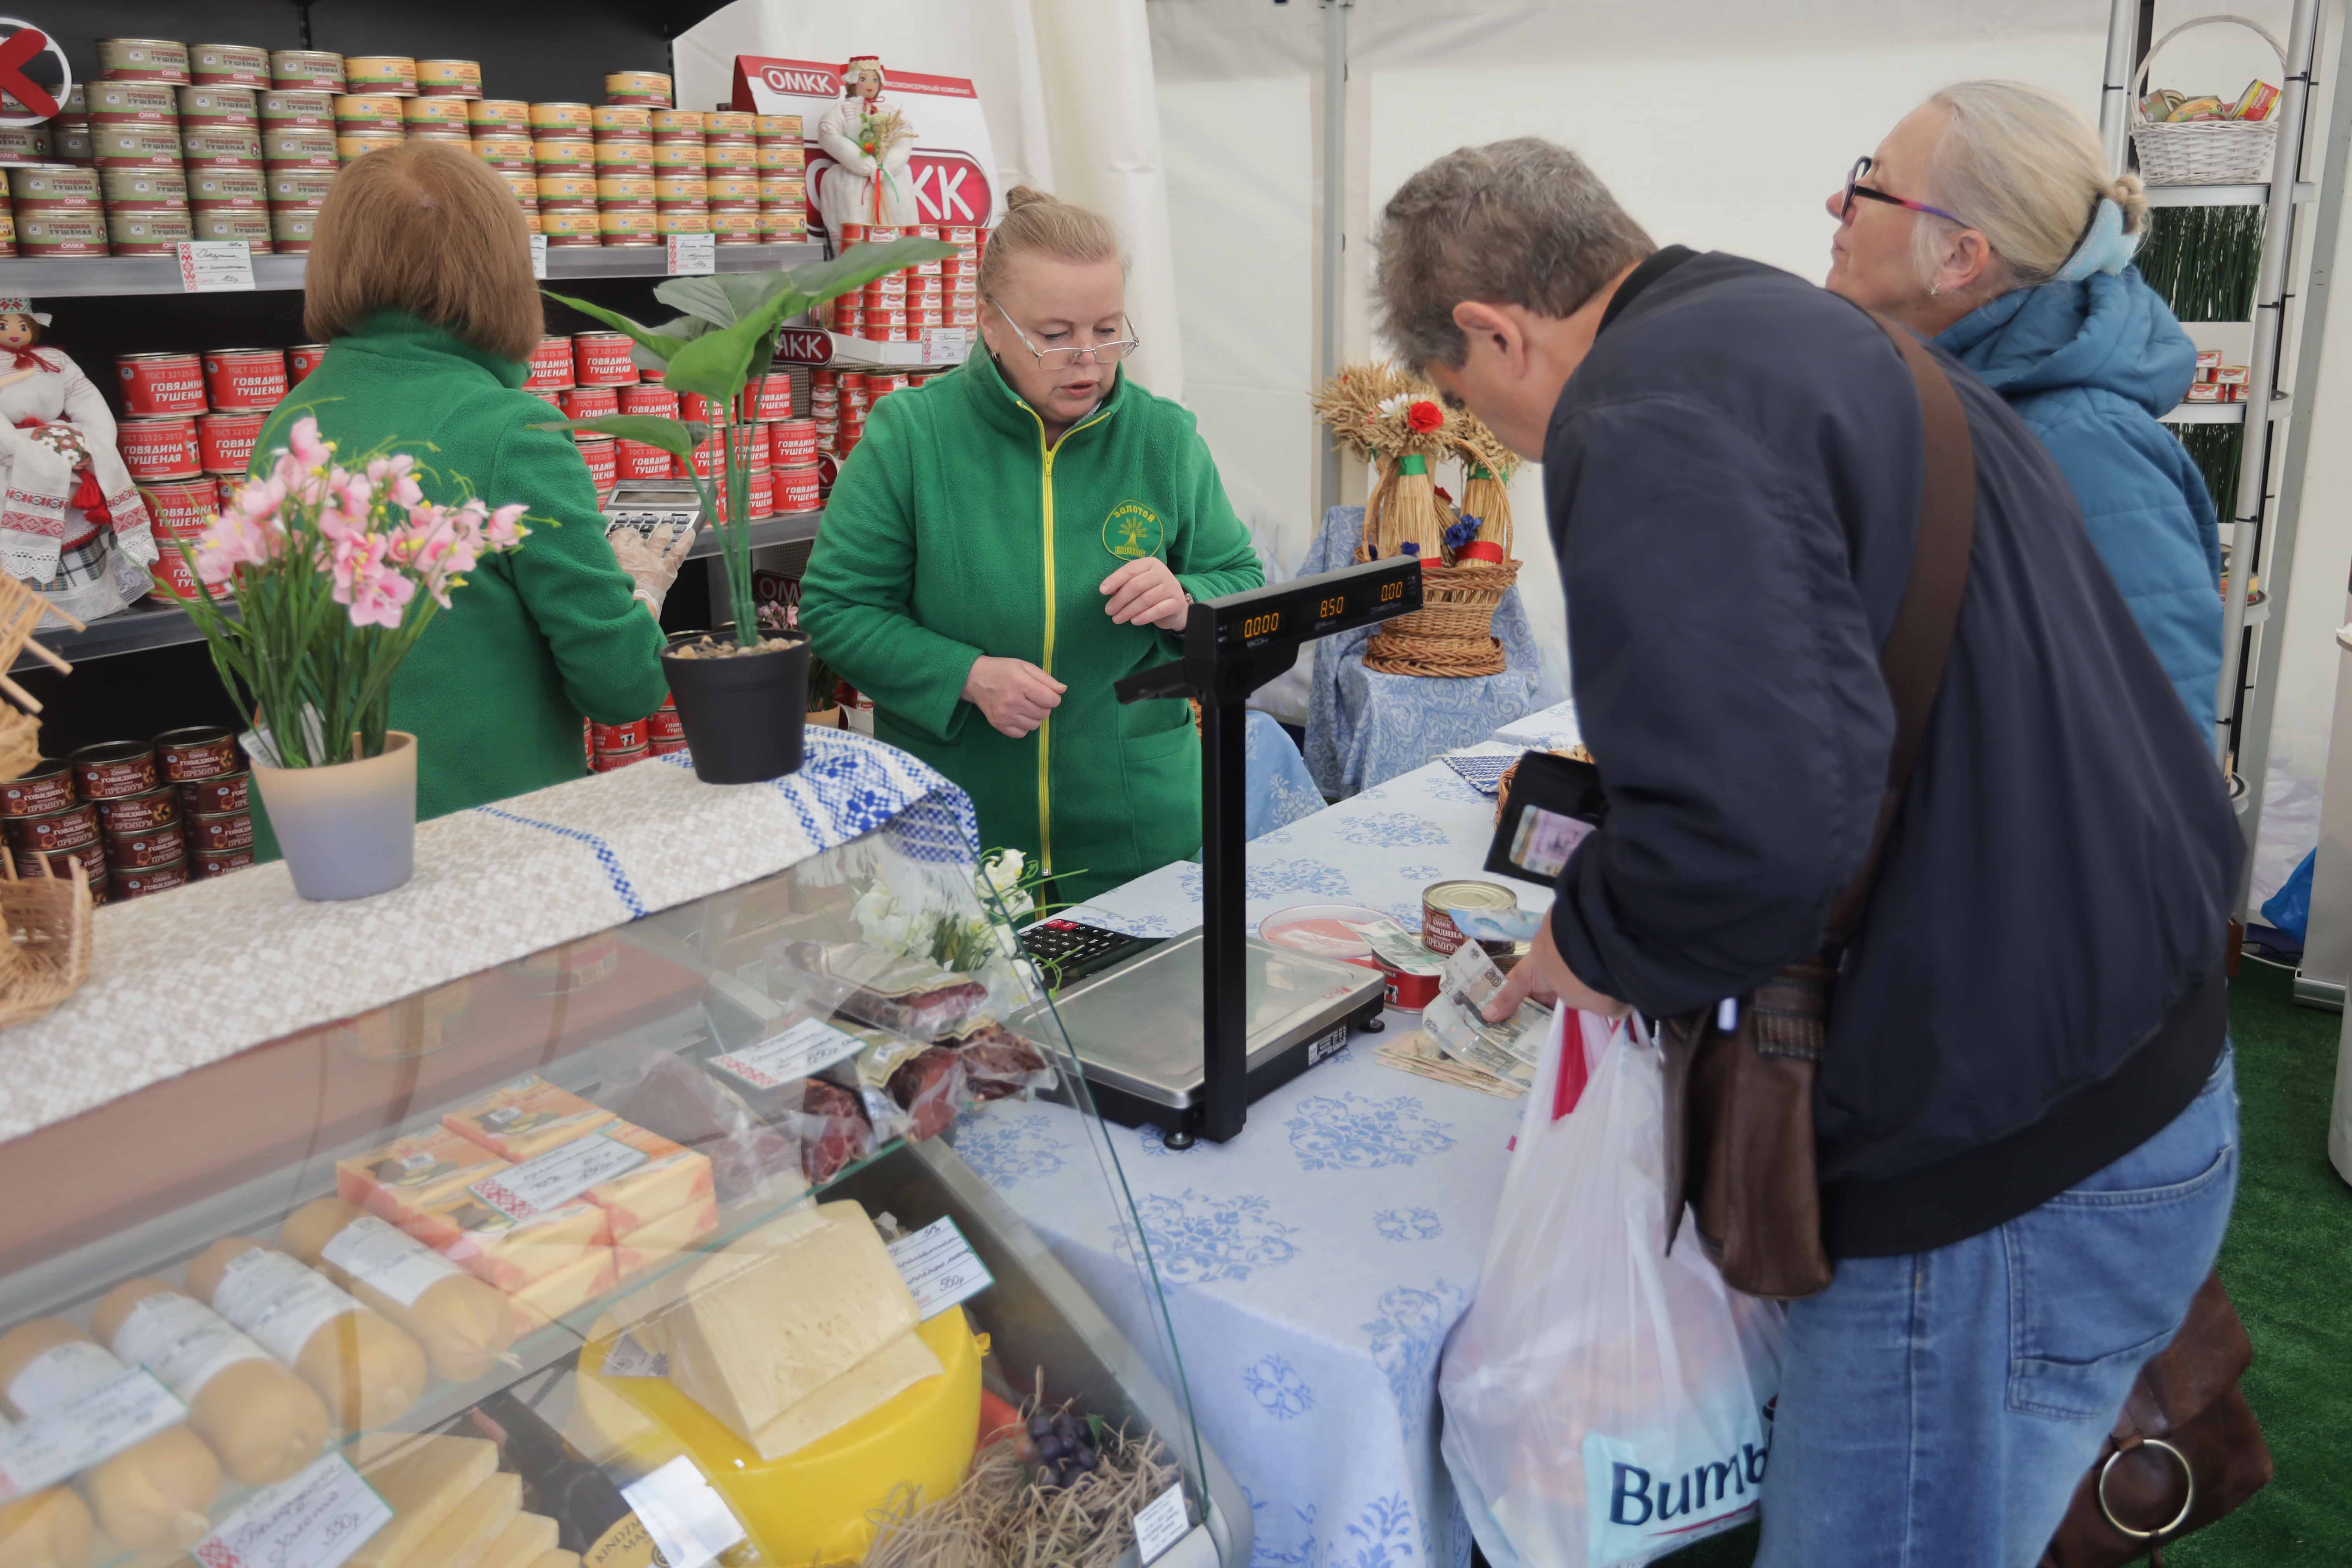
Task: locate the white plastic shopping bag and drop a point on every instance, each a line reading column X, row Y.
column 1604, row 1403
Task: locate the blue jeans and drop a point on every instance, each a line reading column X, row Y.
column 1936, row 1410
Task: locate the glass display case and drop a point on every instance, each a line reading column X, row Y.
column 652, row 1246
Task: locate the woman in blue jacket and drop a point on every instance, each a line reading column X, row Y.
column 1987, row 221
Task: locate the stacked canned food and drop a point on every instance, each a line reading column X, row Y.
column 643, row 89
column 681, row 177
column 900, row 307
column 139, row 816
column 189, row 424
column 730, row 162
column 501, row 130
column 611, row 746
column 626, row 187
column 563, row 154
column 783, row 179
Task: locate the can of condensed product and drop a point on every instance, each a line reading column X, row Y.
column 228, row 64
column 643, row 88
column 113, row 768
column 498, row 114
column 563, row 119
column 449, row 78
column 1438, row 932
column 319, row 70
column 156, row 384
column 159, row 448
column 45, row 786
column 141, row 60
column 445, row 112
column 381, row 73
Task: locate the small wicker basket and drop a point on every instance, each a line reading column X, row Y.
column 46, row 953
column 1453, row 632
column 2204, row 151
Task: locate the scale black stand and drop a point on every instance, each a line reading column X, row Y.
column 1263, row 1014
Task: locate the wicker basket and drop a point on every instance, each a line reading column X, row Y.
column 47, row 953
column 1453, row 632
column 2204, row 151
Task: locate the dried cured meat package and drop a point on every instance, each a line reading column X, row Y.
column 670, row 1094
column 909, row 997
column 999, row 1064
column 827, row 1121
column 929, row 1086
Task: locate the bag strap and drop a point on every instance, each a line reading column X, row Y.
column 1920, row 642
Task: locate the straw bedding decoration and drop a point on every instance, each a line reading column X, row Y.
column 1403, row 425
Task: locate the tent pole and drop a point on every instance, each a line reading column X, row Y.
column 2114, row 87
column 1335, row 227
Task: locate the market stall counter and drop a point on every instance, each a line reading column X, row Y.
column 1314, row 1265
column 594, row 1195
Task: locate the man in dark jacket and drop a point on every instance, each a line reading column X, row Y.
column 2025, row 1119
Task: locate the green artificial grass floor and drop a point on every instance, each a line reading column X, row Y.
column 2288, row 1265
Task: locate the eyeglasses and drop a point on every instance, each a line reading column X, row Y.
column 1854, row 187
column 1064, row 358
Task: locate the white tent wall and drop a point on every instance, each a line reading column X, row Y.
column 1067, row 88
column 1719, row 126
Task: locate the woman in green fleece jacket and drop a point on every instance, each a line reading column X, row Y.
column 419, row 282
column 1009, row 540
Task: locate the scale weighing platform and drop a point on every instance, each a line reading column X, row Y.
column 1185, row 1033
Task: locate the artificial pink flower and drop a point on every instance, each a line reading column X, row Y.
column 376, row 593
column 505, row 530
column 309, row 451
column 234, row 539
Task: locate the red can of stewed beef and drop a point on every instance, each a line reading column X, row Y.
column 69, row 829
column 649, row 399
column 664, row 724
column 769, row 399
column 760, row 494
column 151, row 879
column 601, row 359
column 183, row 508
column 180, row 580
column 590, row 403
column 140, row 851
column 792, row 443
column 796, row 488
column 603, row 461
column 44, row 787
column 301, row 359
column 626, row 737
column 551, row 365
column 137, row 813
column 156, row 385
column 61, row 862
column 241, row 380
column 113, row 768
column 200, row 751
column 220, row 833
column 613, row 761
column 635, row 460
column 224, row 441
column 159, row 448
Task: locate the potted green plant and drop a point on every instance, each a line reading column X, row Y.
column 739, row 702
column 336, row 570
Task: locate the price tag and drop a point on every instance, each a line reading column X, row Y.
column 558, row 1176
column 316, row 1519
column 939, row 1268
column 627, row 1358
column 946, row 345
column 1162, row 1525
column 215, row 267
column 688, row 254
column 688, row 1520
column 807, row 1046
column 127, row 1408
column 538, row 255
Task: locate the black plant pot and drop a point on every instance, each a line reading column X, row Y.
column 744, row 716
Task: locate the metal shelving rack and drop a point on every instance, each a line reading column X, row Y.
column 2261, row 522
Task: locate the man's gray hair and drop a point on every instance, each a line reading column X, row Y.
column 1524, row 222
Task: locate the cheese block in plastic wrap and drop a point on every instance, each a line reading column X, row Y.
column 665, row 1239
column 49, row 1529
column 524, row 1119
column 153, row 1493
column 424, row 1478
column 673, row 1177
column 509, row 1253
column 567, row 1290
column 406, row 1174
column 368, row 1372
column 262, row 1420
column 463, row 1324
column 775, row 1315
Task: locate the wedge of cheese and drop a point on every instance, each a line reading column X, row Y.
column 424, row 1478
column 521, row 1119
column 774, row 1316
column 890, row 1371
column 509, row 1253
column 662, row 1241
column 673, row 1177
column 527, row 1538
column 464, row 1537
column 567, row 1290
column 407, row 1174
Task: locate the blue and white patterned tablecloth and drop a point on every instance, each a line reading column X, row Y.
column 1364, row 727
column 1546, row 729
column 1314, row 1265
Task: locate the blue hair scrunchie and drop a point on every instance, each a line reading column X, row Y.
column 2105, row 248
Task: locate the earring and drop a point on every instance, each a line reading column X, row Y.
column 1934, row 289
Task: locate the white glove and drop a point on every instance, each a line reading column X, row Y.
column 652, row 565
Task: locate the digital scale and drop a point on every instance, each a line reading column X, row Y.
column 651, row 504
column 1262, row 1014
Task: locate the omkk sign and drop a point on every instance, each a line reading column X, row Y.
column 953, row 166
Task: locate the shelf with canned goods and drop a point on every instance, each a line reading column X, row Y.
column 2224, row 413
column 157, row 623
column 102, row 276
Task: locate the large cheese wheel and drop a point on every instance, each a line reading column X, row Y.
column 369, row 1372
column 464, row 1324
column 153, row 1493
column 51, row 1529
column 259, row 1418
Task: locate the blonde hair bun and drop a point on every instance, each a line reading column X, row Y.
column 2129, row 193
column 1038, row 223
column 1022, row 196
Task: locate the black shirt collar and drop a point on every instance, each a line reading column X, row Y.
column 1660, row 263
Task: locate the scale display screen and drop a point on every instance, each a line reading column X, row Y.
column 1310, row 607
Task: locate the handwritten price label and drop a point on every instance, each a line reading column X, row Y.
column 690, row 1522
column 946, row 345
column 215, row 267
column 805, row 1046
column 940, row 1266
column 538, row 255
column 127, row 1408
column 315, row 1520
column 692, row 254
column 558, row 1176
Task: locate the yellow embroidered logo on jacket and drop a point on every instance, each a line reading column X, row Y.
column 1132, row 531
